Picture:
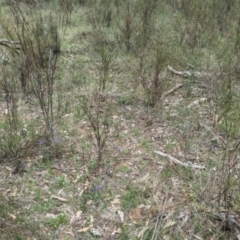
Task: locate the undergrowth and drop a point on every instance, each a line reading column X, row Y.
column 89, row 89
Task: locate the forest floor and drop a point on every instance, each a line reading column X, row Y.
column 136, row 193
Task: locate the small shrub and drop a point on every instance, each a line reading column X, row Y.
column 98, row 113
column 106, row 53
column 100, row 14
column 38, row 40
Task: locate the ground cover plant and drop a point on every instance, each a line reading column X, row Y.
column 119, row 119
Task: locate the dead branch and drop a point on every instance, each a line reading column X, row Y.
column 170, row 158
column 6, row 43
column 172, row 90
column 187, row 73
column 10, row 44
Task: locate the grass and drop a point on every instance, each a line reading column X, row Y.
column 131, row 199
column 108, row 179
column 57, row 221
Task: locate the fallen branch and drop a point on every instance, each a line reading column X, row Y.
column 235, row 148
column 172, row 90
column 10, row 44
column 187, row 73
column 189, row 164
column 4, row 41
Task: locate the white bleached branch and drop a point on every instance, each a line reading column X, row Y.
column 170, row 158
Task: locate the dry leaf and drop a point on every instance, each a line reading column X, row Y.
column 119, row 230
column 76, row 218
column 144, row 179
column 85, row 229
column 78, row 214
column 12, row 216
column 116, row 201
column 69, row 233
column 15, row 191
column 59, row 198
column 165, row 237
column 120, row 166
column 169, row 224
column 197, row 237
column 89, row 202
column 9, row 169
column 135, row 214
column 121, row 215
column 91, row 219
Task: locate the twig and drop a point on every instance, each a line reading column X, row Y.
column 235, row 148
column 187, row 73
column 228, row 217
column 8, row 44
column 172, row 90
column 5, row 42
column 189, row 164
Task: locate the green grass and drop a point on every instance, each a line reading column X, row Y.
column 57, row 222
column 131, row 198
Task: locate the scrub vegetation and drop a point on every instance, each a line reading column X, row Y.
column 119, row 119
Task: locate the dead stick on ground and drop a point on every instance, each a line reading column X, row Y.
column 10, row 44
column 172, row 90
column 189, row 164
column 187, row 73
column 4, row 41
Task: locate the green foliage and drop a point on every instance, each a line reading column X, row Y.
column 93, row 195
column 101, row 13
column 61, row 181
column 131, row 199
column 124, row 234
column 57, row 222
column 45, row 207
column 149, row 234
